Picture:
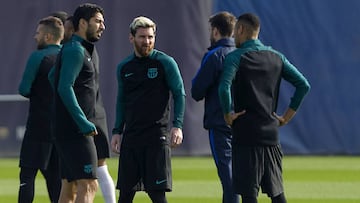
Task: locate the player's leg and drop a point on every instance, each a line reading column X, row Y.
column 279, row 199
column 68, row 191
column 78, row 162
column 27, row 182
column 157, row 175
column 106, row 183
column 272, row 183
column 128, row 173
column 126, row 196
column 220, row 143
column 245, row 199
column 86, row 190
column 52, row 177
column 247, row 171
column 157, row 196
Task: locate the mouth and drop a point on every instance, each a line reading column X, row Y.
column 100, row 32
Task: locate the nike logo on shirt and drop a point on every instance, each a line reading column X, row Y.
column 128, row 74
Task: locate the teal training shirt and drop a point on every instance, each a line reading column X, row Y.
column 32, row 67
column 75, row 83
column 289, row 73
column 144, row 87
column 254, row 73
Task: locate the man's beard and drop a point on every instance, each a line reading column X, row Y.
column 143, row 50
column 91, row 36
column 41, row 44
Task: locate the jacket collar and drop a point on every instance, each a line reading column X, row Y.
column 225, row 42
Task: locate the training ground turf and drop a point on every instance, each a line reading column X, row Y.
column 308, row 179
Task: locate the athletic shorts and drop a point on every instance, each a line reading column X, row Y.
column 255, row 167
column 145, row 168
column 78, row 159
column 102, row 144
column 36, row 154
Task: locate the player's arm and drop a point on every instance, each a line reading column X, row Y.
column 176, row 85
column 72, row 62
column 231, row 65
column 30, row 72
column 291, row 74
column 119, row 114
column 204, row 78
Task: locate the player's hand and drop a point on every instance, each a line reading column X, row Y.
column 176, row 137
column 230, row 117
column 286, row 117
column 281, row 119
column 92, row 133
column 115, row 143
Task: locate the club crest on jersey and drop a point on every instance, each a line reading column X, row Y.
column 88, row 168
column 152, row 73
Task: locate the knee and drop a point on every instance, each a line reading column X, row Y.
column 87, row 186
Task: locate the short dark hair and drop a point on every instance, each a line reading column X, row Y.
column 250, row 20
column 224, row 22
column 85, row 11
column 60, row 14
column 54, row 26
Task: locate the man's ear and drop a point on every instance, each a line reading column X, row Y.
column 48, row 37
column 241, row 29
column 82, row 23
column 131, row 38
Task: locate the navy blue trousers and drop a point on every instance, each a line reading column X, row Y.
column 220, row 143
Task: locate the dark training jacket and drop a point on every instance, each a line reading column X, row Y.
column 206, row 82
column 78, row 104
column 255, row 72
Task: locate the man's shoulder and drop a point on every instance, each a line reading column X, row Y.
column 126, row 60
column 73, row 46
column 156, row 54
column 38, row 55
column 164, row 58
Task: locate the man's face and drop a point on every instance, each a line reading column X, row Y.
column 143, row 41
column 40, row 37
column 68, row 30
column 95, row 28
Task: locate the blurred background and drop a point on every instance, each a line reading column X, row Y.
column 321, row 38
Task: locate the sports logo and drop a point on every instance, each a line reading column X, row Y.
column 152, row 73
column 88, row 168
column 128, row 74
column 158, row 182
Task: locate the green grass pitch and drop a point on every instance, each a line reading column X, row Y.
column 308, row 179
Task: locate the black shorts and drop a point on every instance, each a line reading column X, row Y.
column 255, row 167
column 36, row 154
column 78, row 159
column 102, row 144
column 145, row 168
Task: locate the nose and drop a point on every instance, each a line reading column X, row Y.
column 102, row 26
column 147, row 40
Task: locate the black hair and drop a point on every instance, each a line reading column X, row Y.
column 250, row 20
column 85, row 11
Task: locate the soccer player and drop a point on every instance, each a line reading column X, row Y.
column 79, row 112
column 37, row 149
column 254, row 72
column 145, row 80
column 205, row 86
